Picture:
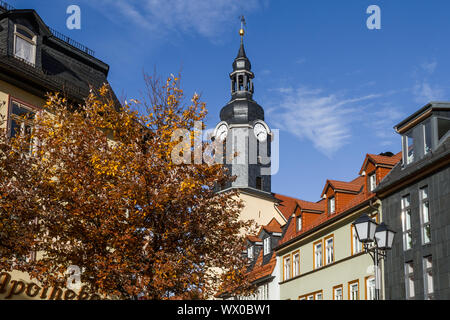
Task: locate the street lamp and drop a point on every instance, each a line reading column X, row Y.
column 369, row 232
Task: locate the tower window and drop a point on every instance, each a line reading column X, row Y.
column 24, row 44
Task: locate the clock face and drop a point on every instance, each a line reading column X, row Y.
column 260, row 132
column 222, row 132
column 240, row 64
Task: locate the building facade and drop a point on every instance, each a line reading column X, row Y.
column 36, row 60
column 415, row 199
column 320, row 256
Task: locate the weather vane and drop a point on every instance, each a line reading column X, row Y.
column 243, row 23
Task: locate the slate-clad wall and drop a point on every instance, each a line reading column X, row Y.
column 439, row 248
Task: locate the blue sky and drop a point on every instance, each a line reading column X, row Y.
column 333, row 87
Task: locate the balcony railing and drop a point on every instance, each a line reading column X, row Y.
column 56, row 34
column 6, row 6
column 71, row 42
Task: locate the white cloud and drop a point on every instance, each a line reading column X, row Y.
column 204, row 17
column 429, row 67
column 424, row 92
column 382, row 123
column 324, row 119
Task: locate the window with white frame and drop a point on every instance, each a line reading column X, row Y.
column 409, row 280
column 337, row 293
column 425, row 215
column 250, row 253
column 408, row 148
column 267, row 245
column 370, row 287
column 332, row 204
column 319, row 296
column 287, row 268
column 296, row 264
column 24, row 44
column 372, row 182
column 428, row 277
column 263, row 292
column 318, row 258
column 299, row 222
column 329, row 249
column 406, row 222
column 356, row 244
column 353, row 290
column 311, row 297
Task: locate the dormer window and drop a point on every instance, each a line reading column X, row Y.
column 443, row 127
column 250, row 253
column 267, row 245
column 372, row 182
column 427, row 137
column 331, row 205
column 408, row 148
column 24, row 44
column 299, row 222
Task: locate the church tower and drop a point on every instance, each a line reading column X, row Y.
column 243, row 131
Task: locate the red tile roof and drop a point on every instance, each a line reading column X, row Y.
column 259, row 270
column 353, row 186
column 383, row 160
column 291, row 231
column 253, row 239
column 288, row 205
column 273, row 226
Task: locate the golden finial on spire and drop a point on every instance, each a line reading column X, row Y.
column 241, row 31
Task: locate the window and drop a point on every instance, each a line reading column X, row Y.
column 443, row 127
column 406, row 222
column 370, row 288
column 267, row 245
column 409, row 280
column 21, row 118
column 286, row 268
column 408, row 148
column 329, row 249
column 263, row 292
column 425, row 215
column 318, row 259
column 311, row 297
column 296, row 264
column 372, row 182
column 428, row 277
column 337, row 293
column 250, row 253
column 319, row 296
column 299, row 222
column 24, row 44
column 427, row 137
column 353, row 290
column 356, row 244
column 331, row 205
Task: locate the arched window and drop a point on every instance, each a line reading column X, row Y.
column 24, row 44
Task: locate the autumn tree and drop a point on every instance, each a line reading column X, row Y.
column 100, row 190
